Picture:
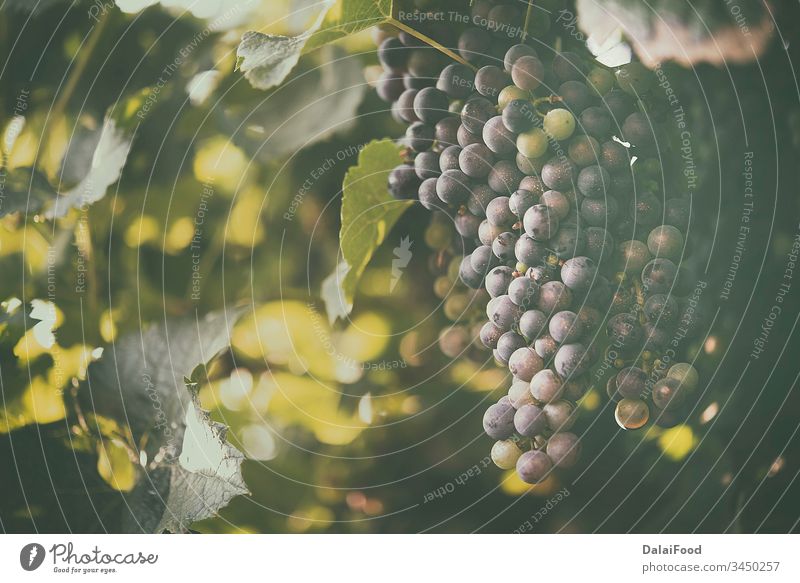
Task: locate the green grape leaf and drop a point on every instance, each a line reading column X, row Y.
column 140, row 379
column 684, row 32
column 107, row 161
column 305, row 110
column 24, row 190
column 350, row 17
column 141, row 383
column 204, row 478
column 368, row 214
column 267, row 59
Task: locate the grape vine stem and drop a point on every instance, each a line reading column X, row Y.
column 428, row 40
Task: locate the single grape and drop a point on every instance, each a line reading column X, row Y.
column 505, row 454
column 426, row 165
column 404, row 182
column 453, row 187
column 565, row 328
column 559, row 124
column 532, row 323
column 479, row 198
column 498, row 213
column 661, row 308
column 665, row 241
column 546, row 347
column 498, row 421
column 596, row 122
column 519, row 116
column 509, row 94
column 490, row 81
column 524, row 363
column 631, row 413
column 656, row 337
column 505, row 313
column 520, row 394
column 685, row 374
column 490, row 334
column 498, row 137
column 560, row 415
column 559, row 174
column 600, row 79
column 483, row 259
column 593, row 181
column 427, row 195
column 554, row 296
column 503, row 246
column 520, row 201
column 638, row 131
column 532, row 143
column 446, row 132
column 619, row 104
column 457, row 81
column 468, row 275
column 632, row 256
column 578, row 273
column 431, row 105
column 488, row 232
column 527, row 72
column 503, row 21
column 614, row 156
column 668, row 393
column 575, row 389
column 448, row 159
column 564, row 449
column 529, row 420
column 466, row 138
column 540, row 222
column 523, row 291
column 546, row 386
column 390, row 86
column 476, row 161
column 599, row 212
column 631, row 382
column 658, row 276
column 572, row 360
column 504, row 177
column 392, row 54
column 599, row 244
column 584, row 150
column 498, row 280
column 575, row 95
column 534, row 466
column 476, row 112
column 568, row 242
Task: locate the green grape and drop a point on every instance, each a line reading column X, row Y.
column 533, row 143
column 441, row 286
column 685, row 374
column 438, row 235
column 509, row 94
column 601, row 79
column 505, row 454
column 559, row 124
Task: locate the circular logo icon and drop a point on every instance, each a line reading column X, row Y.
column 31, row 556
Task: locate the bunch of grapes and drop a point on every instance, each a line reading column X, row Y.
column 550, row 170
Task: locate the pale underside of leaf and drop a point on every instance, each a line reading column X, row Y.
column 672, row 31
column 267, row 59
